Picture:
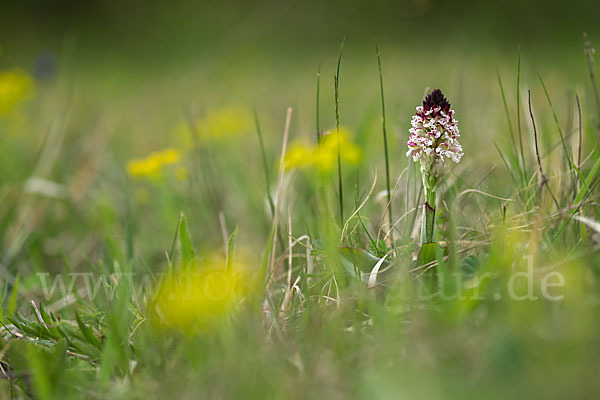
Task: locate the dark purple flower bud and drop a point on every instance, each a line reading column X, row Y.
column 436, row 99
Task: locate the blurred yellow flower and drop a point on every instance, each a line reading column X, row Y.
column 220, row 123
column 297, row 156
column 323, row 157
column 151, row 166
column 200, row 298
column 16, row 87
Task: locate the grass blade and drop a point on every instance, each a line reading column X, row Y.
column 336, row 80
column 317, row 116
column 385, row 146
column 185, row 240
column 523, row 165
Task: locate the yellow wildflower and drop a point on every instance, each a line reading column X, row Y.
column 324, row 157
column 151, row 166
column 297, row 156
column 16, row 87
column 199, row 299
column 168, row 156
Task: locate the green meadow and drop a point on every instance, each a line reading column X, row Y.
column 207, row 200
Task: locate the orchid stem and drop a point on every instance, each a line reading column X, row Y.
column 428, row 227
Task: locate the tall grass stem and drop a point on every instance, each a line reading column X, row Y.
column 336, row 80
column 385, row 147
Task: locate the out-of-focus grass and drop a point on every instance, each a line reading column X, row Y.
column 322, row 325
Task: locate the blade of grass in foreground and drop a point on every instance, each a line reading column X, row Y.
column 523, row 165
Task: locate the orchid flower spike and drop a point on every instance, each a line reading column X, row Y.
column 433, row 139
column 434, row 133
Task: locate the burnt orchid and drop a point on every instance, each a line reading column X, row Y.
column 433, row 140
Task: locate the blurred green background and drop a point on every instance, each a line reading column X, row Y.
column 154, row 33
column 212, row 51
column 162, row 56
column 153, row 40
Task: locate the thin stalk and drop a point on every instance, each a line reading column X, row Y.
column 336, row 81
column 579, row 144
column 519, row 114
column 318, row 122
column 385, row 147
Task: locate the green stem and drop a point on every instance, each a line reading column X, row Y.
column 336, row 81
column 429, row 187
column 428, row 227
column 429, row 248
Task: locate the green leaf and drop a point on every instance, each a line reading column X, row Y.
column 427, row 254
column 363, row 259
column 470, row 265
column 12, row 305
column 185, row 240
column 587, row 182
column 87, row 332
